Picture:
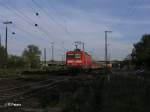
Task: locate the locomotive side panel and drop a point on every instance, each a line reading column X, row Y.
column 86, row 60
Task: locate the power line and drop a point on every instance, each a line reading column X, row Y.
column 8, row 8
column 23, row 30
column 30, row 34
column 32, row 22
column 46, row 13
column 23, row 16
column 52, row 7
column 133, row 7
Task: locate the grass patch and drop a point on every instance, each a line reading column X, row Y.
column 6, row 73
column 120, row 94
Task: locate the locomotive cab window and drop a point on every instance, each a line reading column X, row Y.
column 77, row 55
column 70, row 55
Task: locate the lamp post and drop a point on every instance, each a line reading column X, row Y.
column 0, row 41
column 45, row 63
column 106, row 51
column 6, row 52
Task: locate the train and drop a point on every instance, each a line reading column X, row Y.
column 80, row 60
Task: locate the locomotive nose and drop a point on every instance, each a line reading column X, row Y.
column 74, row 62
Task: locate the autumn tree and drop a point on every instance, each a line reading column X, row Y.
column 31, row 55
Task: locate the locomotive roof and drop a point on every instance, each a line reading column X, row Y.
column 78, row 52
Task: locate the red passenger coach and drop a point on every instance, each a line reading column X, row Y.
column 78, row 59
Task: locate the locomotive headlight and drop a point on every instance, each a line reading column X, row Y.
column 78, row 61
column 70, row 61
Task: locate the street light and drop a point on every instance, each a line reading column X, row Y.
column 0, row 40
column 6, row 23
column 106, row 58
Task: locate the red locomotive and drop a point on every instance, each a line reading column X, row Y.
column 78, row 59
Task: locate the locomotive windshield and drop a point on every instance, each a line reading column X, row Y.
column 70, row 56
column 77, row 55
column 74, row 56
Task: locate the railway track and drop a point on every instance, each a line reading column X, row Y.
column 18, row 94
column 32, row 86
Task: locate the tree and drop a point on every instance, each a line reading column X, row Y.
column 15, row 62
column 31, row 56
column 127, row 61
column 141, row 52
column 2, row 56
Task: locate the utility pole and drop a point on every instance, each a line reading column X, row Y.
column 63, row 51
column 52, row 47
column 0, row 41
column 45, row 57
column 62, row 58
column 6, row 52
column 106, row 57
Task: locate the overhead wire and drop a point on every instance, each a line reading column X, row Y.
column 30, row 19
column 23, row 30
column 53, row 19
column 8, row 8
column 131, row 10
column 32, row 22
column 45, row 12
column 23, row 17
column 133, row 7
column 62, row 16
column 28, row 39
column 39, row 26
